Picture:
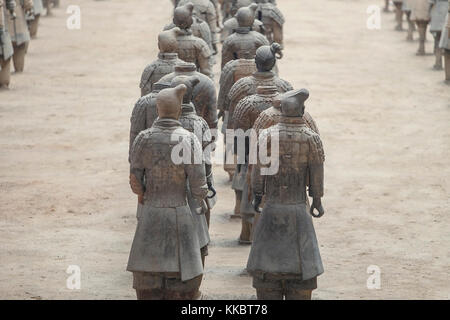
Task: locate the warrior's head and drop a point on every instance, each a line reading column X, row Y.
column 189, row 82
column 266, row 57
column 182, row 16
column 293, row 102
column 167, row 41
column 239, row 4
column 245, row 16
column 168, row 102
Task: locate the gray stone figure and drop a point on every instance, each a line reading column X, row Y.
column 420, row 14
column 265, row 60
column 165, row 64
column 272, row 19
column 199, row 29
column 6, row 47
column 204, row 96
column 284, row 260
column 165, row 255
column 33, row 24
column 245, row 115
column 445, row 45
column 244, row 40
column 232, row 24
column 406, row 8
column 439, row 9
column 197, row 125
column 398, row 14
column 191, row 48
column 206, row 11
column 18, row 30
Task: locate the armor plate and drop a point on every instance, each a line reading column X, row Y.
column 241, row 43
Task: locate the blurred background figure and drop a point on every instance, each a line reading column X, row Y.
column 6, row 48
column 19, row 31
column 38, row 9
column 438, row 9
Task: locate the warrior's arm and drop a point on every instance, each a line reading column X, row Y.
column 137, row 168
column 278, row 33
column 226, row 82
column 209, row 113
column 316, row 175
column 195, row 171
column 204, row 59
column 137, row 122
column 227, row 54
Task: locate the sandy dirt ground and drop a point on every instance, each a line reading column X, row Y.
column 384, row 117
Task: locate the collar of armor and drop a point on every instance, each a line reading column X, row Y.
column 292, row 120
column 263, row 74
column 167, row 123
column 187, row 108
column 243, row 30
column 168, row 56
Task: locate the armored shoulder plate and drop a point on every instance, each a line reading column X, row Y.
column 276, row 14
column 267, row 118
column 283, row 85
column 316, row 148
column 146, row 76
column 241, row 89
column 248, row 110
column 311, row 123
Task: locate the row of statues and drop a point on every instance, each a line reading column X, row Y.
column 422, row 15
column 173, row 135
column 19, row 22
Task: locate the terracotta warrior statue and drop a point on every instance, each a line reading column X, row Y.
column 232, row 24
column 165, row 256
column 244, row 40
column 445, row 45
column 18, row 30
column 199, row 29
column 284, row 260
column 198, row 126
column 265, row 60
column 191, row 48
column 439, row 9
column 165, row 64
column 6, row 47
column 204, row 95
column 272, row 19
column 420, row 14
column 406, row 8
column 244, row 116
column 398, row 14
column 206, row 11
column 231, row 73
column 266, row 119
